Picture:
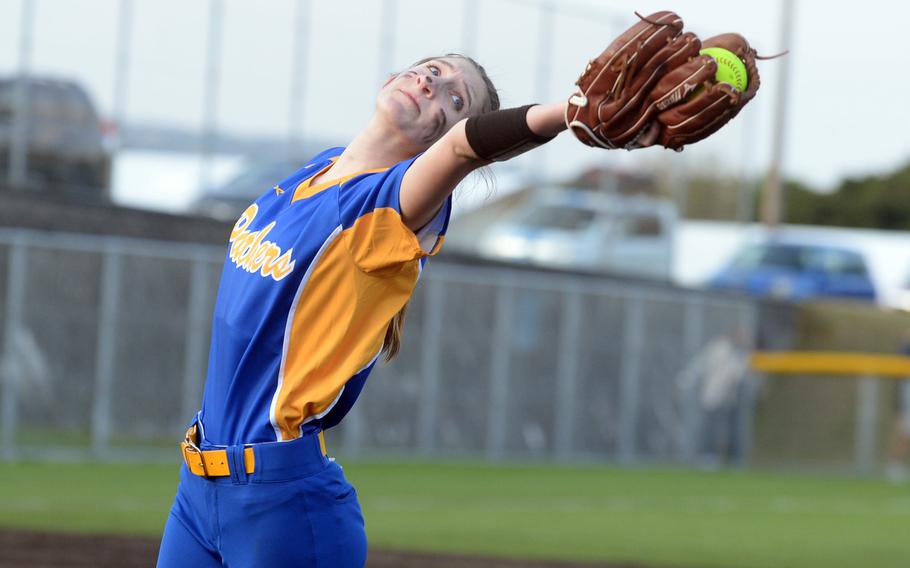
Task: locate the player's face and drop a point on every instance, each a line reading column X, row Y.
column 428, row 99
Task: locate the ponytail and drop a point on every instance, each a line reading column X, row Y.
column 391, row 345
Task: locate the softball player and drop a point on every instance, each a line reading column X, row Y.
column 315, row 281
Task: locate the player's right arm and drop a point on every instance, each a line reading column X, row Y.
column 495, row 136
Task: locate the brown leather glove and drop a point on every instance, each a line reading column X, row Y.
column 703, row 113
column 618, row 95
column 651, row 86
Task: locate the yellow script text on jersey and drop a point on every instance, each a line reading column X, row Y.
column 251, row 252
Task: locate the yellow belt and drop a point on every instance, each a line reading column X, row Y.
column 214, row 463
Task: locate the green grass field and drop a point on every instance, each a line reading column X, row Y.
column 654, row 516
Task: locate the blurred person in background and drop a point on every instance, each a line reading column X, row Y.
column 897, row 469
column 719, row 372
column 314, row 288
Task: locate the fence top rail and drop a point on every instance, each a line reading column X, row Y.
column 831, row 363
column 80, row 242
column 441, row 271
column 550, row 282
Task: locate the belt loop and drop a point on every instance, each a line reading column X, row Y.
column 237, row 465
column 256, row 476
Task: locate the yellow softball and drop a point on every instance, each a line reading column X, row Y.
column 730, row 69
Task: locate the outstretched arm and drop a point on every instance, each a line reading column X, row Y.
column 434, row 175
column 547, row 120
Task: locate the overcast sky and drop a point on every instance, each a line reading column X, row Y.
column 847, row 103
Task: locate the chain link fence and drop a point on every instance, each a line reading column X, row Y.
column 105, row 343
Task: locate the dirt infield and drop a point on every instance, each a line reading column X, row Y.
column 19, row 549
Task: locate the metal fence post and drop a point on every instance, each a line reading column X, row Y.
column 693, row 336
column 429, row 368
column 633, row 328
column 15, row 300
column 106, row 350
column 352, row 428
column 210, row 91
column 17, row 174
column 195, row 344
column 567, row 372
column 499, row 372
column 746, row 415
column 866, row 418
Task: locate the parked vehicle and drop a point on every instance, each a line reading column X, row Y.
column 66, row 151
column 586, row 230
column 227, row 201
column 797, row 271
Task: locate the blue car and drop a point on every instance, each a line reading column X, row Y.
column 797, row 272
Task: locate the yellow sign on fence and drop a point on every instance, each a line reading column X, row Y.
column 831, row 363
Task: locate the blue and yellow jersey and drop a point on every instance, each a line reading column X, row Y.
column 312, row 278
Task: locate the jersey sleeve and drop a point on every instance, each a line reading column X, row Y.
column 371, row 220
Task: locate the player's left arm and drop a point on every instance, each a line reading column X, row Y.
column 496, row 136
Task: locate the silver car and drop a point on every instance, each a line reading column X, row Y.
column 585, row 230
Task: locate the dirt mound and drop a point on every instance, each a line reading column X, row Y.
column 22, row 549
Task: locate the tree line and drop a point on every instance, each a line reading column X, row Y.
column 874, row 202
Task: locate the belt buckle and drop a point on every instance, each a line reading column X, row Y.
column 190, row 447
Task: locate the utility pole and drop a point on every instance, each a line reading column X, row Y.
column 537, row 165
column 299, row 70
column 774, row 198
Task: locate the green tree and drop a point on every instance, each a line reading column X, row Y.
column 875, row 202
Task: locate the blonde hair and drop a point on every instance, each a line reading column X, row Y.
column 391, row 343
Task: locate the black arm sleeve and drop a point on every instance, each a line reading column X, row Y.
column 502, row 134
